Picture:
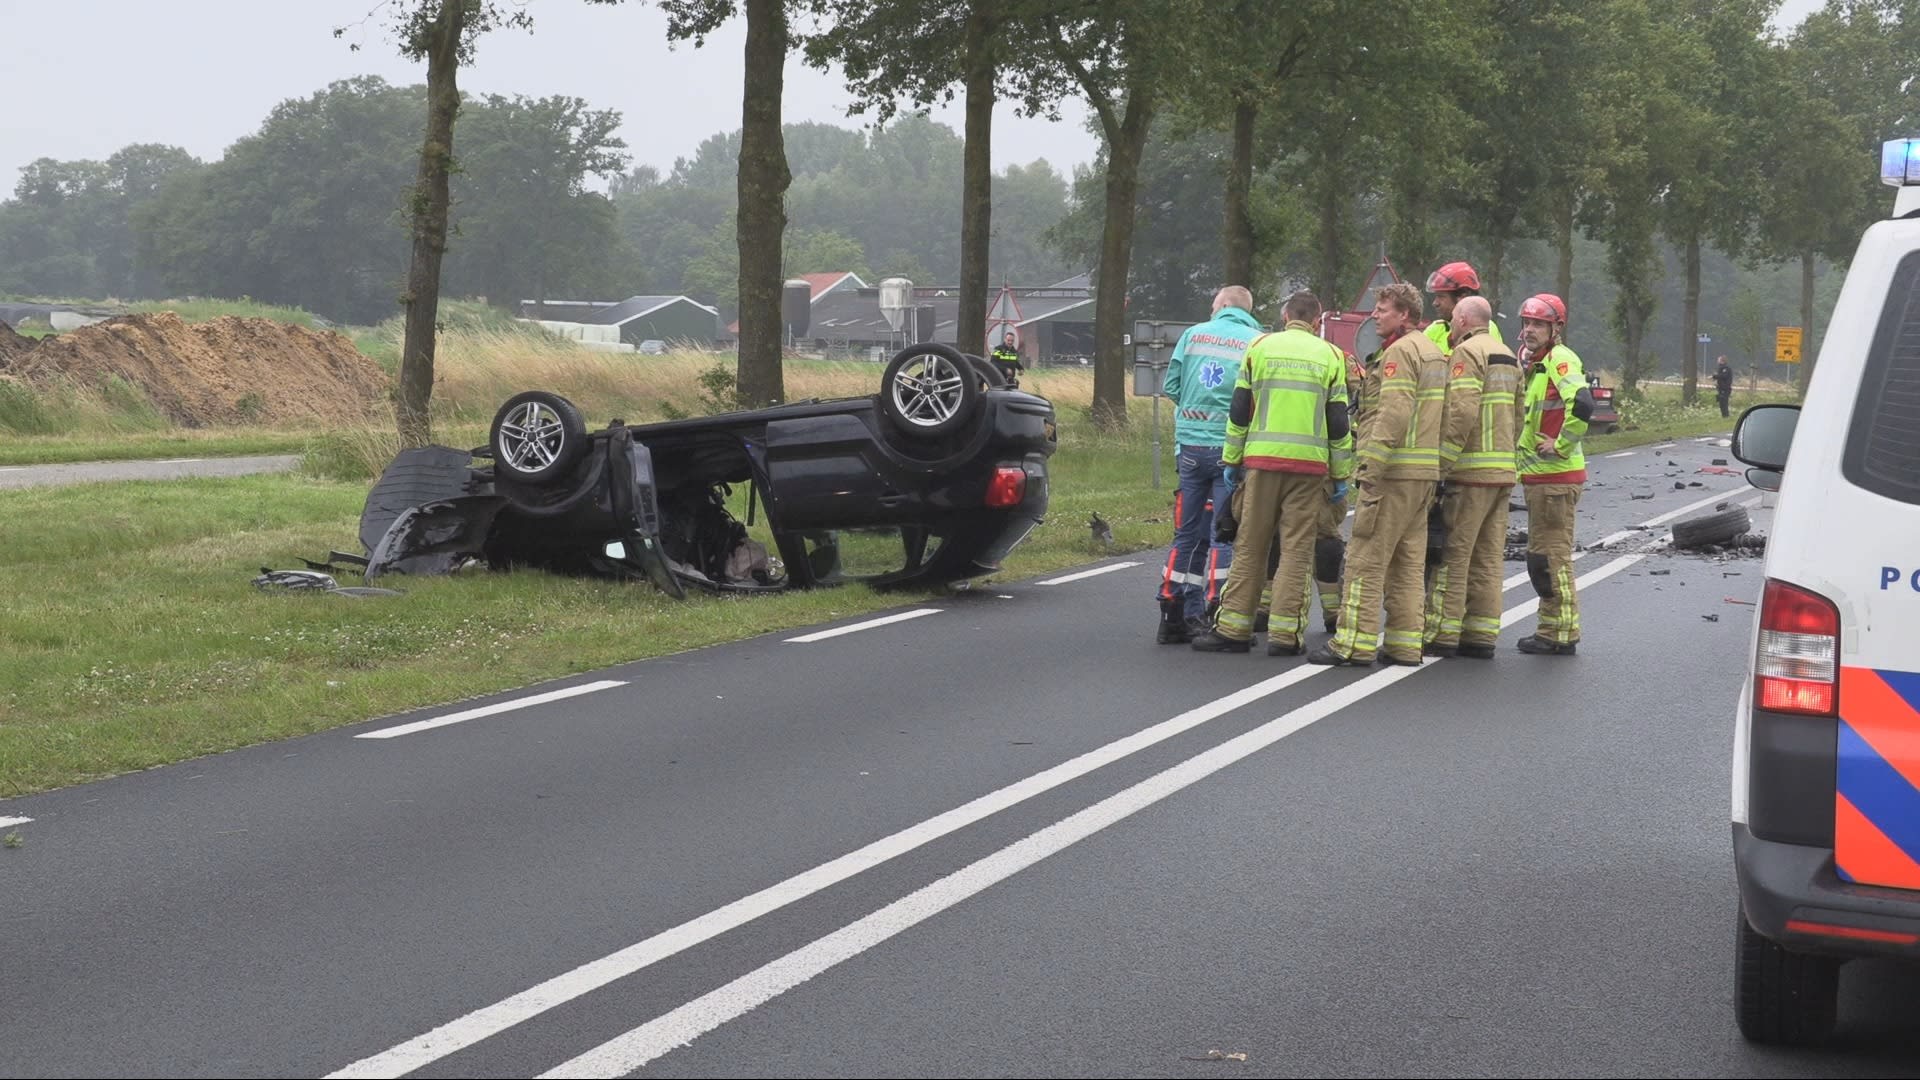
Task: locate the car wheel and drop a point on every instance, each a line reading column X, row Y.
column 1711, row 528
column 930, row 390
column 537, row 436
column 992, row 375
column 1781, row 997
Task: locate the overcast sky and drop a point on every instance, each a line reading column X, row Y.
column 85, row 77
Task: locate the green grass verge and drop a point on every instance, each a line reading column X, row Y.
column 64, row 449
column 131, row 637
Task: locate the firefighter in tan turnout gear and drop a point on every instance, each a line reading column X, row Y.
column 1483, row 416
column 1553, row 469
column 1398, row 467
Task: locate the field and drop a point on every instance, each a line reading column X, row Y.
column 130, row 635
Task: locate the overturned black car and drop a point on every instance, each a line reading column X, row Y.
column 932, row 480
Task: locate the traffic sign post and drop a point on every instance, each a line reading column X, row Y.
column 1786, row 345
column 1149, row 337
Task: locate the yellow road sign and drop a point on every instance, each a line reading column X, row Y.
column 1786, row 344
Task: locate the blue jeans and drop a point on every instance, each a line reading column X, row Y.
column 1197, row 566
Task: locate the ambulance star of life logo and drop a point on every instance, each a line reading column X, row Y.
column 1212, row 374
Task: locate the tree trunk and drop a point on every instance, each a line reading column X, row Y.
column 1110, row 373
column 429, row 202
column 976, row 199
column 1690, row 326
column 1496, row 262
column 1331, row 199
column 1239, row 224
column 763, row 180
column 1563, row 244
column 1806, row 319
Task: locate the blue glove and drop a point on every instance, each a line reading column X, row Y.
column 1339, row 491
column 1232, row 474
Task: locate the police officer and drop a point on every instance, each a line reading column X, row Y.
column 1289, row 407
column 1200, row 379
column 1553, row 469
column 1398, row 465
column 1723, row 385
column 1449, row 285
column 1006, row 357
column 1482, row 425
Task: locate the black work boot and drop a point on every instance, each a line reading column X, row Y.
column 1540, row 646
column 1387, row 659
column 1283, row 648
column 1477, row 652
column 1434, row 648
column 1211, row 641
column 1175, row 628
column 1325, row 656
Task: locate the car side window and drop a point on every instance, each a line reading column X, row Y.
column 1883, row 442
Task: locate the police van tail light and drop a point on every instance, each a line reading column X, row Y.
column 1798, row 669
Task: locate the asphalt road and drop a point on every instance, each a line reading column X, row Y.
column 16, row 476
column 1006, row 835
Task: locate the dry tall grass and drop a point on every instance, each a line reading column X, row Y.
column 478, row 369
column 475, row 369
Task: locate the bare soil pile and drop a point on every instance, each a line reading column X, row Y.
column 229, row 370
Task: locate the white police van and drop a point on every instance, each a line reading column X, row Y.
column 1826, row 766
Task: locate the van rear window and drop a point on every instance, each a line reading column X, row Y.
column 1883, row 447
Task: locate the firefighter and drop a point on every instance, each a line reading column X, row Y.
column 1449, row 285
column 1200, row 378
column 1329, row 547
column 1289, row 408
column 1553, row 468
column 1398, row 465
column 1006, row 357
column 1482, row 425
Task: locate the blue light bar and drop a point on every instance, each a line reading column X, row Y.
column 1900, row 162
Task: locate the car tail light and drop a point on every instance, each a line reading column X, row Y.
column 1008, row 487
column 1798, row 669
column 1603, row 394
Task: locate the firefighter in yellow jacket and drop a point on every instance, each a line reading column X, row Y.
column 1482, row 425
column 1398, row 457
column 1553, row 470
column 1289, row 409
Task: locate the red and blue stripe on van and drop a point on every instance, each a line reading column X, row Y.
column 1876, row 814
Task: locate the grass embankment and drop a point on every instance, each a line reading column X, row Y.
column 131, row 637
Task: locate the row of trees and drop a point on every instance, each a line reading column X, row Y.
column 1445, row 128
column 1464, row 126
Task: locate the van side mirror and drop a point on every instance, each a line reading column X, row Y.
column 1764, row 435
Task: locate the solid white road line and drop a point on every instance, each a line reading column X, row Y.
column 1095, row 572
column 489, row 710
column 493, row 1019
column 1624, row 453
column 1670, row 515
column 10, row 822
column 886, row 620
column 178, row 461
column 625, row 1053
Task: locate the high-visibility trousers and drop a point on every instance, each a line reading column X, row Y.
column 1550, row 510
column 1286, row 504
column 1386, row 560
column 1464, row 605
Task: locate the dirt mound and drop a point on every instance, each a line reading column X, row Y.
column 229, row 370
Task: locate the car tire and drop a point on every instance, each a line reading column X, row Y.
column 930, row 390
column 990, row 374
column 1715, row 528
column 537, row 436
column 1783, row 998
